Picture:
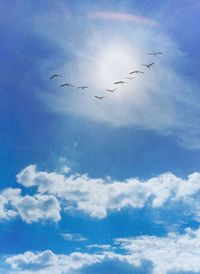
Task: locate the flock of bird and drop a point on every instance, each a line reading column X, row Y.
column 115, row 83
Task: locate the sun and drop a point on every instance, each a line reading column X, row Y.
column 113, row 62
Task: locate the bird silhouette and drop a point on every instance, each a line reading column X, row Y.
column 54, row 76
column 120, row 82
column 66, row 85
column 148, row 66
column 129, row 78
column 99, row 97
column 111, row 90
column 136, row 71
column 155, row 53
column 83, row 87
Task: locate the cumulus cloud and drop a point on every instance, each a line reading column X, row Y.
column 173, row 253
column 48, row 261
column 7, row 211
column 29, row 208
column 82, row 192
column 32, row 261
column 96, row 197
column 38, row 208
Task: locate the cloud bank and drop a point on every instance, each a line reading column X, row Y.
column 174, row 253
column 80, row 192
column 55, row 192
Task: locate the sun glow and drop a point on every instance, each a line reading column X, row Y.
column 113, row 63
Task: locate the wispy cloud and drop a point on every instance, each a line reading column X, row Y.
column 165, row 100
column 123, row 17
column 161, row 100
column 74, row 237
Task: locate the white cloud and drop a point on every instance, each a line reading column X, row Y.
column 65, row 169
column 48, row 262
column 63, row 164
column 6, row 209
column 8, row 198
column 100, row 247
column 97, row 197
column 29, row 208
column 173, row 253
column 73, row 237
column 38, row 208
column 29, row 260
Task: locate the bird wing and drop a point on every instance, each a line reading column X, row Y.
column 133, row 72
column 55, row 75
column 111, row 90
column 83, row 87
column 155, row 53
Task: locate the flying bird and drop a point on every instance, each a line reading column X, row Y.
column 83, row 87
column 54, row 76
column 136, row 71
column 120, row 82
column 99, row 97
column 67, row 85
column 129, row 78
column 148, row 66
column 155, row 53
column 111, row 90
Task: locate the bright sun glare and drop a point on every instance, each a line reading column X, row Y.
column 113, row 63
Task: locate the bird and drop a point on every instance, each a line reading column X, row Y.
column 136, row 71
column 155, row 53
column 148, row 66
column 54, row 76
column 83, row 87
column 120, row 82
column 99, row 97
column 129, row 78
column 66, row 85
column 111, row 90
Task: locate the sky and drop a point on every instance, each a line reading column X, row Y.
column 93, row 185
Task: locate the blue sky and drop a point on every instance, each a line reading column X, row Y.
column 90, row 186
